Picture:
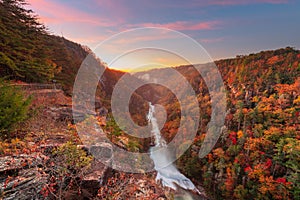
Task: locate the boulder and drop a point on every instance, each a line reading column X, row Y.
column 98, row 172
column 95, row 176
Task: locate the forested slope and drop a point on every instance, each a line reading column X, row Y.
column 257, row 155
column 30, row 53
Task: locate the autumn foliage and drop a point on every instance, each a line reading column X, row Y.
column 257, row 156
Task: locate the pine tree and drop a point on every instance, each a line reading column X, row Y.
column 13, row 107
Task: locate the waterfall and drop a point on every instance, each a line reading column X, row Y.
column 166, row 170
column 159, row 142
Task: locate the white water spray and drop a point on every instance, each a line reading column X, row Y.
column 159, row 141
column 166, row 171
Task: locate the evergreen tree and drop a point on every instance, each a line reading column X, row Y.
column 13, row 107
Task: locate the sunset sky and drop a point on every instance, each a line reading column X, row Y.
column 224, row 28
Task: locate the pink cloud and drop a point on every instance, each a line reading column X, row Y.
column 57, row 13
column 182, row 25
column 91, row 40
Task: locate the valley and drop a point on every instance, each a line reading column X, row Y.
column 59, row 144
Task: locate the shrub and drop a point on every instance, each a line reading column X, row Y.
column 66, row 168
column 13, row 107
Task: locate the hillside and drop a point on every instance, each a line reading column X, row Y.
column 256, row 156
column 29, row 53
column 32, row 55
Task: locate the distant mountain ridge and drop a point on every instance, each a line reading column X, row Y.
column 252, row 74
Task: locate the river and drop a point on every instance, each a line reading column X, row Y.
column 167, row 172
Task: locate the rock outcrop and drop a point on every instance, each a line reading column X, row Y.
column 21, row 176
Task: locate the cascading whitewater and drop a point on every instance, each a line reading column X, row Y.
column 166, row 171
column 159, row 142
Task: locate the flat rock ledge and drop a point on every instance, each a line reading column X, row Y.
column 23, row 176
